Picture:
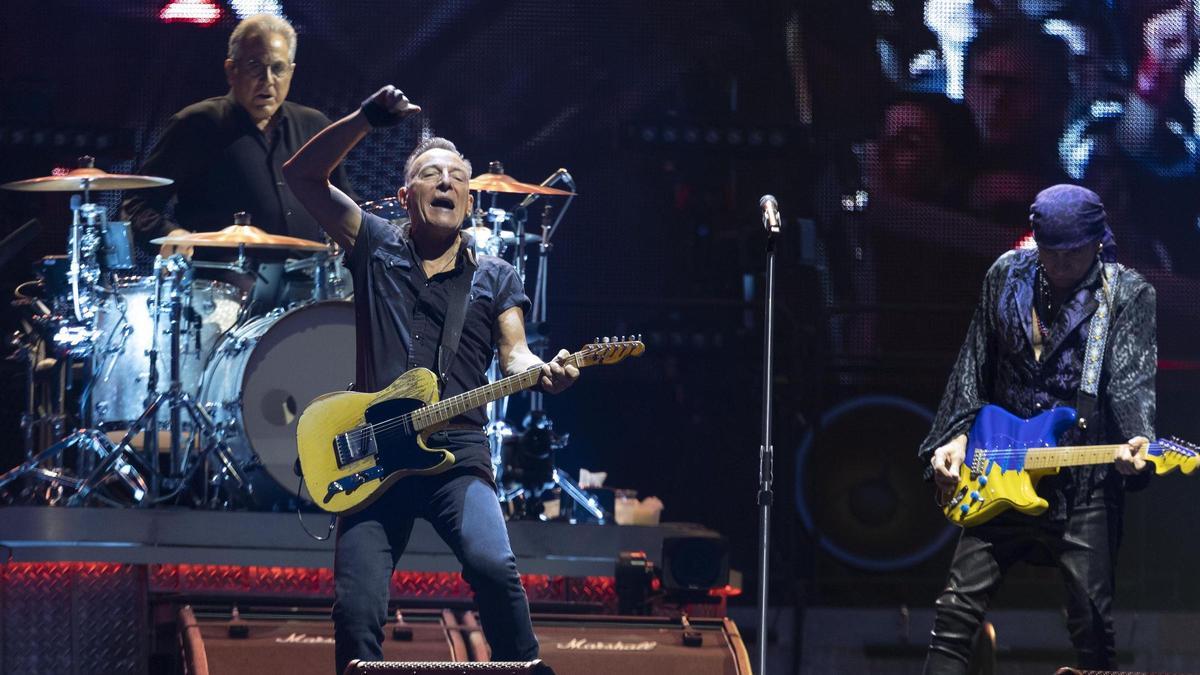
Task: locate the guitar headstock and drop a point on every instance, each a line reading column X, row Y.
column 610, row 350
column 1174, row 453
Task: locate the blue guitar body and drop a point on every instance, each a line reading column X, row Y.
column 993, row 477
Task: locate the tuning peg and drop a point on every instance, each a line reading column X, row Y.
column 605, row 339
column 596, row 339
column 639, row 337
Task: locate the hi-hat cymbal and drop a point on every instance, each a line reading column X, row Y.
column 241, row 235
column 86, row 178
column 499, row 182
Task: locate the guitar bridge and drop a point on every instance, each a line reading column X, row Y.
column 354, row 444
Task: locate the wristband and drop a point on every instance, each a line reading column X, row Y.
column 377, row 115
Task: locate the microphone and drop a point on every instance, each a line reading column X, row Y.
column 770, row 209
column 561, row 173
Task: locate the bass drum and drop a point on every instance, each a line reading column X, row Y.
column 261, row 378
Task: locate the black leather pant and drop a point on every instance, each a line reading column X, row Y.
column 1084, row 549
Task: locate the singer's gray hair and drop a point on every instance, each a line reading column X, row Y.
column 262, row 24
column 427, row 144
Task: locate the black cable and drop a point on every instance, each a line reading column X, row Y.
column 300, row 517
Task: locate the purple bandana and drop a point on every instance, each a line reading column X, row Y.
column 1069, row 216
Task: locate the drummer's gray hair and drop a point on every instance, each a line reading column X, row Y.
column 263, row 24
column 427, row 144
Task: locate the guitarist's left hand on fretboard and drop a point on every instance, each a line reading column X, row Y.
column 1130, row 458
column 557, row 374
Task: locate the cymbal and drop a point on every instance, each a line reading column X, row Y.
column 86, row 178
column 238, row 235
column 499, row 182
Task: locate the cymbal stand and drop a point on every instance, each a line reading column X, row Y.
column 538, row 315
column 126, row 469
column 180, row 470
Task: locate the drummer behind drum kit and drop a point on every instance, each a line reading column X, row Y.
column 191, row 388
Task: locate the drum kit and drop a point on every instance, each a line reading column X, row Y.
column 182, row 386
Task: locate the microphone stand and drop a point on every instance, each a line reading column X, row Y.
column 766, row 451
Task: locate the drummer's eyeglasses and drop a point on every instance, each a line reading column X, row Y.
column 258, row 70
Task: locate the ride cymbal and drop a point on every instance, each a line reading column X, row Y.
column 86, row 178
column 500, row 182
column 241, row 235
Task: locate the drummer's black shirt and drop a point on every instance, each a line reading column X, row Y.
column 221, row 164
column 399, row 315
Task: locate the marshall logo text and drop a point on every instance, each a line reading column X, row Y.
column 582, row 644
column 304, row 639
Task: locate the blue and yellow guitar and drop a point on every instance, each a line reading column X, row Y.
column 1007, row 456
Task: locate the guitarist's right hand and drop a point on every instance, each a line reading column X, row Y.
column 947, row 460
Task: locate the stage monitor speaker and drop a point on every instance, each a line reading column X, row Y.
column 434, row 668
column 302, row 643
column 585, row 645
column 695, row 562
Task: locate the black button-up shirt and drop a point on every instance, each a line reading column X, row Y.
column 399, row 313
column 221, row 164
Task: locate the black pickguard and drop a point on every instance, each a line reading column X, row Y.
column 398, row 449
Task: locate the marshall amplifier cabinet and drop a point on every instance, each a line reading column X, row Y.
column 585, row 645
column 295, row 643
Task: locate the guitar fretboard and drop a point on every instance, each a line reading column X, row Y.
column 457, row 405
column 1074, row 455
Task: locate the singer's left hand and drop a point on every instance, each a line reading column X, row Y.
column 557, row 375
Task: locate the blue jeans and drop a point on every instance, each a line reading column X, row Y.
column 462, row 507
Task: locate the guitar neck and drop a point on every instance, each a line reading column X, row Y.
column 446, row 409
column 1070, row 455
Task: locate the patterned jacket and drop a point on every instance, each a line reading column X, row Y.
column 996, row 365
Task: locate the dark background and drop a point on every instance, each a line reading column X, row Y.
column 674, row 117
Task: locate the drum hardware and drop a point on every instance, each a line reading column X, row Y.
column 89, row 230
column 328, row 277
column 17, row 240
column 328, row 274
column 130, row 471
column 66, row 321
column 496, row 182
column 182, row 465
column 241, row 235
column 86, row 178
column 530, row 475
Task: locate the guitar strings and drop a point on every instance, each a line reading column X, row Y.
column 1009, row 453
column 407, row 418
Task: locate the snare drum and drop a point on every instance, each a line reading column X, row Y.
column 125, row 334
column 262, row 376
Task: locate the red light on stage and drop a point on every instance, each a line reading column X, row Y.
column 1025, row 243
column 728, row 591
column 60, row 171
column 200, row 12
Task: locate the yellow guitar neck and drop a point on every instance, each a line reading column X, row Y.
column 1069, row 455
column 456, row 405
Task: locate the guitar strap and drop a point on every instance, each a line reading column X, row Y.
column 1089, row 383
column 456, row 314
